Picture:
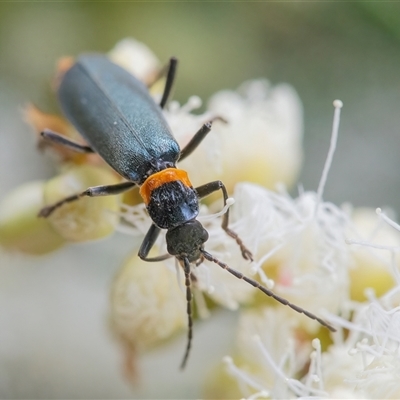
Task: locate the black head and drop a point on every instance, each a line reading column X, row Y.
column 186, row 241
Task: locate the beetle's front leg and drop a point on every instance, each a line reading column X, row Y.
column 212, row 187
column 148, row 243
column 198, row 137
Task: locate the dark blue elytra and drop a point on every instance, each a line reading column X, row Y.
column 114, row 112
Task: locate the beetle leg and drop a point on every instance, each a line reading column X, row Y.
column 173, row 62
column 148, row 243
column 56, row 138
column 211, row 187
column 169, row 71
column 198, row 137
column 93, row 191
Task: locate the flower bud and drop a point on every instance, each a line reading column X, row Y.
column 136, row 58
column 147, row 304
column 86, row 218
column 371, row 267
column 20, row 227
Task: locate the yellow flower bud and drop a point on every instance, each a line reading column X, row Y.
column 371, row 267
column 219, row 384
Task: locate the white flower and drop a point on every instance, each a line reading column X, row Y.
column 363, row 363
column 368, row 360
column 259, row 142
column 270, row 360
column 363, row 360
column 299, row 242
column 262, row 141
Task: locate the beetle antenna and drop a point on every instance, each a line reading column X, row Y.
column 266, row 291
column 186, row 269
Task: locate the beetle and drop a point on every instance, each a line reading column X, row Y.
column 114, row 112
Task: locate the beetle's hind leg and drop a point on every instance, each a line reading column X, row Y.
column 173, row 62
column 56, row 138
column 93, row 191
column 170, row 72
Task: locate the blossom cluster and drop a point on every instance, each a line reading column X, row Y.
column 339, row 263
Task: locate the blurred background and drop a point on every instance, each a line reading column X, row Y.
column 54, row 341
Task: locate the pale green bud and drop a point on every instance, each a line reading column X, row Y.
column 20, row 227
